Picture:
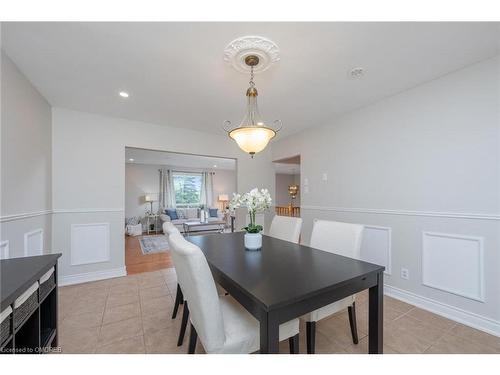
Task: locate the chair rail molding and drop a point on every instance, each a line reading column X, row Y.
column 445, row 255
column 25, row 215
column 383, row 211
column 85, row 210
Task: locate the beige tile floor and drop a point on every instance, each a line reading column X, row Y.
column 132, row 315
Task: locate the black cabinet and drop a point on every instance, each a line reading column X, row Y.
column 37, row 332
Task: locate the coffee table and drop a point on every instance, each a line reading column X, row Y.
column 203, row 226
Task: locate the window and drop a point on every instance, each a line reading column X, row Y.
column 187, row 188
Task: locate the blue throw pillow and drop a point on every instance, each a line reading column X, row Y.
column 212, row 212
column 172, row 214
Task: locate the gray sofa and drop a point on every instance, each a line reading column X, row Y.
column 191, row 214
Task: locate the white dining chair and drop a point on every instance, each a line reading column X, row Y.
column 169, row 228
column 342, row 239
column 286, row 228
column 221, row 323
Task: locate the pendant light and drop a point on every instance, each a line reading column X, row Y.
column 252, row 135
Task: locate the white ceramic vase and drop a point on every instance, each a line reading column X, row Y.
column 253, row 241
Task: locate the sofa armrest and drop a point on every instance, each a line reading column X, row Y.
column 164, row 218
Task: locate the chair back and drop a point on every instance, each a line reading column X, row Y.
column 337, row 237
column 170, row 228
column 199, row 289
column 286, row 228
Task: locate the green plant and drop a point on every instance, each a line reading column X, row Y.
column 254, row 201
column 252, row 228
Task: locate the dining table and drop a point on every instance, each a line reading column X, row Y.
column 285, row 280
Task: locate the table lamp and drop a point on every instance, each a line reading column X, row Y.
column 223, row 198
column 148, row 198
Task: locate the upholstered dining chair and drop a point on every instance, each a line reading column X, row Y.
column 221, row 323
column 169, row 228
column 286, row 228
column 343, row 239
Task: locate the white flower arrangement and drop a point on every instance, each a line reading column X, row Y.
column 254, row 201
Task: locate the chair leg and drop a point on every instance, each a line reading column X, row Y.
column 193, row 336
column 352, row 322
column 178, row 300
column 311, row 337
column 182, row 332
column 294, row 344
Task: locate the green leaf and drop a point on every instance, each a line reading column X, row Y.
column 253, row 228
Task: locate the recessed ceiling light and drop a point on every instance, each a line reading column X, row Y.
column 124, row 94
column 357, row 72
column 130, row 159
column 215, row 165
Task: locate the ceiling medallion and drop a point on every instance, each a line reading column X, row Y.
column 252, row 135
column 239, row 49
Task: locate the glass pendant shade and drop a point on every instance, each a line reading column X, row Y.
column 252, row 139
column 252, row 135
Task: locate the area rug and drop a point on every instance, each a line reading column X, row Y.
column 153, row 244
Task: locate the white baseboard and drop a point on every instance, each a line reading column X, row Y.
column 92, row 276
column 450, row 312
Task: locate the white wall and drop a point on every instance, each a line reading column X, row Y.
column 224, row 183
column 26, row 198
column 89, row 176
column 425, row 160
column 140, row 179
column 283, row 181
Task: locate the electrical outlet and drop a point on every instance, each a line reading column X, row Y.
column 405, row 273
column 306, row 189
column 325, row 176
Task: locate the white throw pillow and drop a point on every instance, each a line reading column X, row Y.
column 192, row 213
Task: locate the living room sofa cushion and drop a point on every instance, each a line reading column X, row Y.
column 172, row 213
column 191, row 213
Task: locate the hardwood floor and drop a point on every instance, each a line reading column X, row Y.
column 137, row 262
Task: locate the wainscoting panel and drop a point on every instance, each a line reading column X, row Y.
column 453, row 263
column 4, row 250
column 33, row 243
column 89, row 243
column 376, row 246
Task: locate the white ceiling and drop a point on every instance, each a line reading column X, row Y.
column 141, row 156
column 176, row 74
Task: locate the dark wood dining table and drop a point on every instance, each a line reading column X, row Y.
column 284, row 280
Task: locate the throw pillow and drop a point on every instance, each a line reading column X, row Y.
column 213, row 212
column 192, row 213
column 172, row 213
column 181, row 214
